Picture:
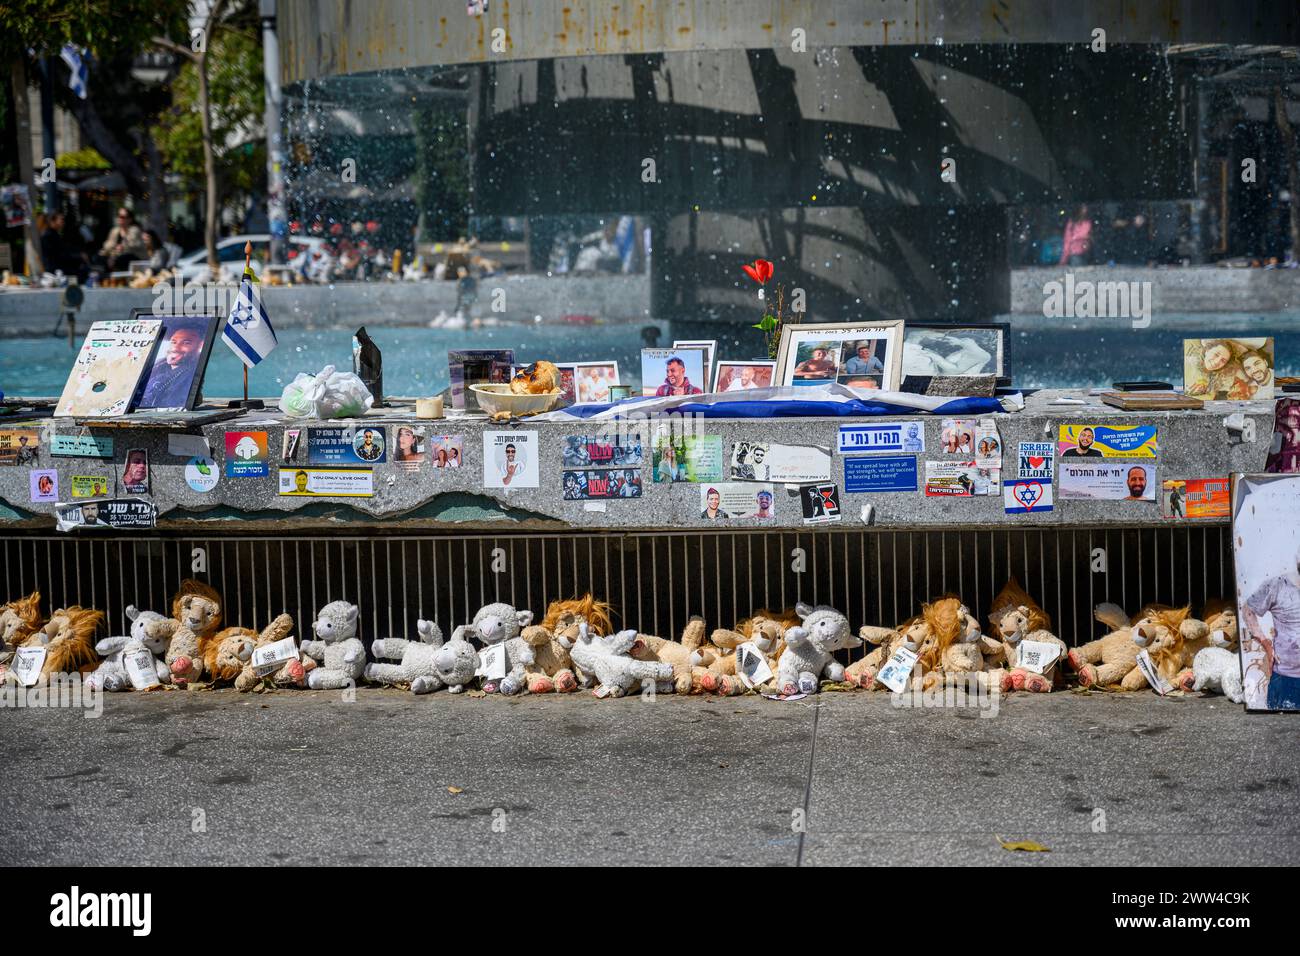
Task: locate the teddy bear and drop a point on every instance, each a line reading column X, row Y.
column 150, row 634
column 808, row 648
column 292, row 673
column 19, row 620
column 500, row 623
column 198, row 609
column 342, row 655
column 1014, row 618
column 415, row 659
column 552, row 667
column 69, row 641
column 607, row 659
column 765, row 630
column 1218, row 666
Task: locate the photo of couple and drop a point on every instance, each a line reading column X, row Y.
column 1228, row 369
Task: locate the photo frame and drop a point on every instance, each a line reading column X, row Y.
column 710, row 347
column 592, row 381
column 731, row 376
column 678, row 371
column 820, row 354
column 173, row 382
column 468, row 367
column 952, row 354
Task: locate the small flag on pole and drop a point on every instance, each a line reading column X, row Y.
column 78, row 75
column 248, row 330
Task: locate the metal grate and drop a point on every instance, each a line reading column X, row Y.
column 655, row 581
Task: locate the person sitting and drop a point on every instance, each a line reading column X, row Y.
column 125, row 243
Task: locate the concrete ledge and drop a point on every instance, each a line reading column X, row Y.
column 1192, row 444
column 1173, row 290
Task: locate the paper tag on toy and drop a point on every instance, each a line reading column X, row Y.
column 1219, row 637
column 1037, row 656
column 751, row 665
column 140, row 667
column 898, row 669
column 1148, row 669
column 269, row 658
column 492, row 662
column 28, row 662
column 602, row 692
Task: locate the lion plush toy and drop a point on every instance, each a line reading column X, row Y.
column 19, row 620
column 1015, row 618
column 552, row 669
column 1111, row 660
column 920, row 635
column 292, row 673
column 69, row 639
column 766, row 630
column 198, row 609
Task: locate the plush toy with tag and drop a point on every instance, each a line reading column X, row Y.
column 292, row 672
column 135, row 660
column 965, row 653
column 456, row 662
column 19, row 620
column 198, row 609
column 341, row 655
column 607, row 658
column 497, row 627
column 1171, row 637
column 887, row 641
column 1217, row 668
column 415, row 659
column 808, row 648
column 552, row 667
column 683, row 656
column 1031, row 651
column 68, row 639
column 1112, row 660
column 765, row 630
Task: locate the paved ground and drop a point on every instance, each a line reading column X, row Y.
column 303, row 777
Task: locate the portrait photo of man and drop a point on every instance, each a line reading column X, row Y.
column 1137, row 483
column 1084, row 448
column 172, row 379
column 369, row 446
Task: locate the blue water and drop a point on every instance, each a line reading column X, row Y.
column 1045, row 353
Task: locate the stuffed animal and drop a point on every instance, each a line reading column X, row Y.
column 1166, row 633
column 1111, row 660
column 198, row 609
column 150, row 634
column 292, row 673
column 456, row 663
column 19, row 620
column 1216, row 628
column 343, row 656
column 69, row 640
column 683, row 656
column 887, row 640
column 965, row 651
column 500, row 623
column 1218, row 667
column 607, row 658
column 766, row 631
column 415, row 659
column 1013, row 619
column 552, row 667
column 808, row 649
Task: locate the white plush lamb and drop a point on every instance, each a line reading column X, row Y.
column 808, row 649
column 607, row 658
column 343, row 656
column 417, row 659
column 1218, row 668
column 501, row 624
column 455, row 663
column 150, row 634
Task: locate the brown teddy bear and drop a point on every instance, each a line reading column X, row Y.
column 766, row 629
column 292, row 673
column 198, row 608
column 1014, row 618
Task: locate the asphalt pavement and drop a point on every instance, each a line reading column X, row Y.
column 301, row 777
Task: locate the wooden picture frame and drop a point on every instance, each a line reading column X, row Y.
column 998, row 333
column 798, row 362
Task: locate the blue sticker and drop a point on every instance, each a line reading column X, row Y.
column 882, row 437
column 354, row 445
column 81, row 446
column 895, row 473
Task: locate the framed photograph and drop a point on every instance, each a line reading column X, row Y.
column 175, row 378
column 675, row 371
column 1228, row 370
column 619, row 392
column 592, row 380
column 864, row 355
column 710, row 347
column 945, row 349
column 135, row 473
column 742, row 376
column 476, row 367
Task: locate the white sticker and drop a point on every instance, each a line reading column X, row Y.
column 1037, row 656
column 751, row 665
column 269, row 658
column 492, row 662
column 27, row 664
column 1148, row 669
column 595, row 506
column 141, row 668
column 898, row 669
column 188, row 446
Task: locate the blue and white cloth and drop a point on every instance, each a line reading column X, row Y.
column 248, row 330
column 78, row 74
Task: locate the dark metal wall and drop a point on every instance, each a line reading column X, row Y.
column 655, row 581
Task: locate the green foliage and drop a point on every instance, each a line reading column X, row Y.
column 104, row 26
column 85, row 158
column 235, row 90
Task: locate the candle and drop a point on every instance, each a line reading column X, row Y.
column 428, row 407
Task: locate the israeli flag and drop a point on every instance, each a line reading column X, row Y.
column 248, row 330
column 78, row 73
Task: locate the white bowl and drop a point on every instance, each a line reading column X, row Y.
column 499, row 400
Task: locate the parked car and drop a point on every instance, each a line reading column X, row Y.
column 230, row 253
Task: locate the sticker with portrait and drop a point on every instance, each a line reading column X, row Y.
column 587, row 485
column 1107, row 441
column 353, row 445
column 327, row 482
column 1228, row 369
column 1106, row 481
column 89, row 486
column 787, row 464
column 727, row 500
column 410, row 452
column 1194, row 498
column 1284, row 450
column 743, row 376
column 19, row 446
column 688, row 458
column 135, row 472
column 864, row 356
column 961, row 479
column 447, row 451
column 510, row 459
column 603, row 451
column 44, row 485
column 668, row 372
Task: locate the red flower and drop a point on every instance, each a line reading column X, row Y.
column 760, row 271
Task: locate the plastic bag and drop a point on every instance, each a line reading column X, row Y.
column 329, row 394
